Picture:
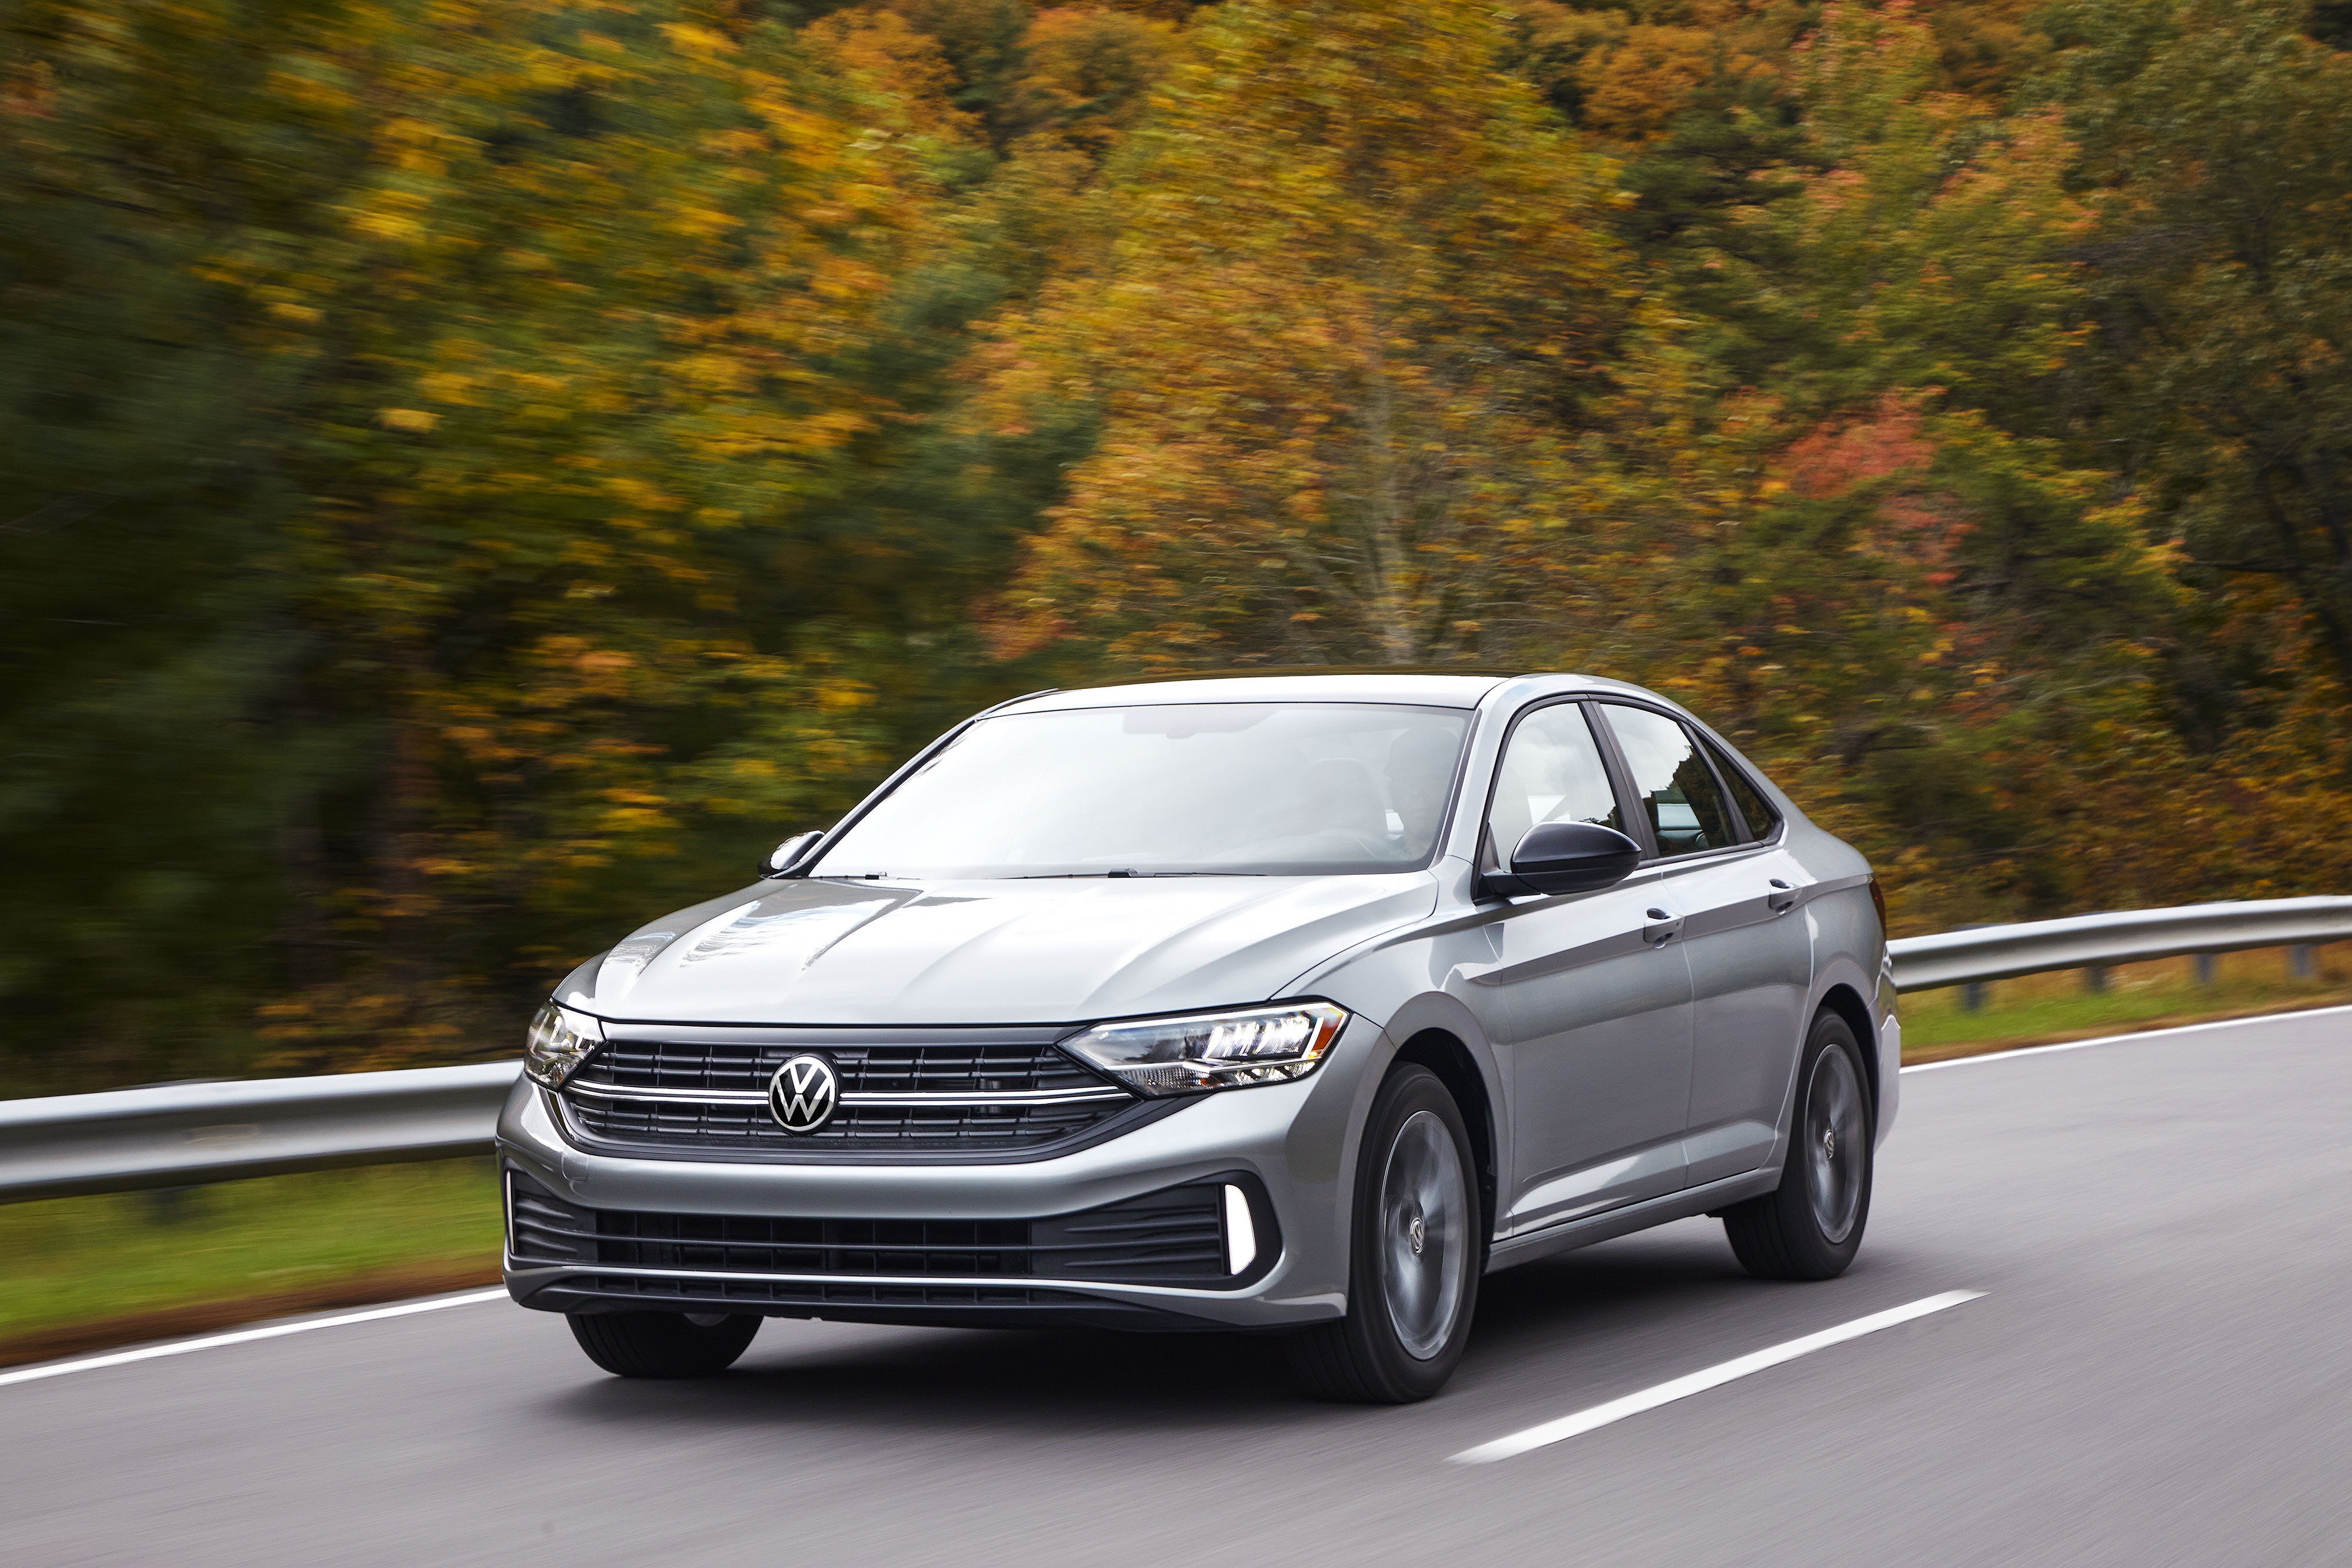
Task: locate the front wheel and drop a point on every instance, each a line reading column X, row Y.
column 1414, row 1254
column 663, row 1344
column 1811, row 1227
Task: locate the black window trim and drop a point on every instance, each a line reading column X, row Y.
column 1629, row 804
column 1631, row 807
column 1622, row 774
column 1719, row 758
column 1611, row 764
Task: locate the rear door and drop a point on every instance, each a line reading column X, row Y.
column 1736, row 890
column 1588, row 1004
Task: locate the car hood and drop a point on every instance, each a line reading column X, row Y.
column 1061, row 950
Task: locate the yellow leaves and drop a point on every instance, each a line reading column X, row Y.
column 413, row 421
column 842, row 695
column 712, row 372
column 699, row 43
column 395, row 221
column 734, row 142
column 698, row 221
column 449, row 386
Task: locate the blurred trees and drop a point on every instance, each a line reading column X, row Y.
column 1352, row 295
column 2220, row 139
column 476, row 476
column 508, row 383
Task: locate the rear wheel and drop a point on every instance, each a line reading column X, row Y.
column 1414, row 1254
column 1811, row 1227
column 663, row 1344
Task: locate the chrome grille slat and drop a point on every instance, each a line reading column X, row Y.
column 921, row 1092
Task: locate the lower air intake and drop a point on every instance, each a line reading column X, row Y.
column 1182, row 1236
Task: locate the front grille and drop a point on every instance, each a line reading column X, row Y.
column 936, row 1093
column 1175, row 1236
column 949, row 1066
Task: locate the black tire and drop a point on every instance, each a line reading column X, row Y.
column 1407, row 1321
column 1810, row 1225
column 662, row 1344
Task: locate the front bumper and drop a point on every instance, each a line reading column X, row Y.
column 1281, row 1141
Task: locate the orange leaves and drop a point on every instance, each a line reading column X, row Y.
column 1339, row 243
column 898, row 71
column 1087, row 75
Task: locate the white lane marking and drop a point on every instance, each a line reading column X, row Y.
column 2122, row 1039
column 181, row 1347
column 1700, row 1382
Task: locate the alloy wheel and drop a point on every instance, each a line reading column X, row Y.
column 1425, row 1234
column 1835, row 1145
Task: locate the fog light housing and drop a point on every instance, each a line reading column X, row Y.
column 1212, row 1051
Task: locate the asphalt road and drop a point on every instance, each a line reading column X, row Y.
column 2159, row 1373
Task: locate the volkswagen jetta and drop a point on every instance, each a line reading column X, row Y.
column 1285, row 1003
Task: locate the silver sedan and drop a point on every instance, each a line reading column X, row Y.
column 1294, row 1003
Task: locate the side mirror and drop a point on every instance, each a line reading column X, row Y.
column 1568, row 857
column 781, row 858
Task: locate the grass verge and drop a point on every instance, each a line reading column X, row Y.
column 84, row 1273
column 2047, row 1009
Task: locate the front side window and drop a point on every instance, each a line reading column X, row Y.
column 1551, row 772
column 1686, row 807
column 1199, row 788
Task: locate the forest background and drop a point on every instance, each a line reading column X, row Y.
column 474, row 475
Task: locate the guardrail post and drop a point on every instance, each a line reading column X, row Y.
column 2302, row 961
column 1973, row 996
column 2207, row 963
column 2095, row 978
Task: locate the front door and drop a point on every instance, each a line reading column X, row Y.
column 1588, row 997
column 1736, row 889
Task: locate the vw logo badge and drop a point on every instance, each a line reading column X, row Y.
column 803, row 1093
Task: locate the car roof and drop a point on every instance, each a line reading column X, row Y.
column 1462, row 691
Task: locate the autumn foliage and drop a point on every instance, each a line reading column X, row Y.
column 477, row 475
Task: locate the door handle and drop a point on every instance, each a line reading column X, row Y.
column 1782, row 899
column 1662, row 928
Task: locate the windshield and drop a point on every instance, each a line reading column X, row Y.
column 1270, row 788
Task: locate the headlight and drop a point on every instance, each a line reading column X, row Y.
column 560, row 1041
column 1215, row 1050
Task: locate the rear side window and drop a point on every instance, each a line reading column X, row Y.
column 1686, row 807
column 1551, row 772
column 1752, row 809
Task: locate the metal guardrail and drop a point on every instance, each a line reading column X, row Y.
column 2092, row 941
column 180, row 1134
